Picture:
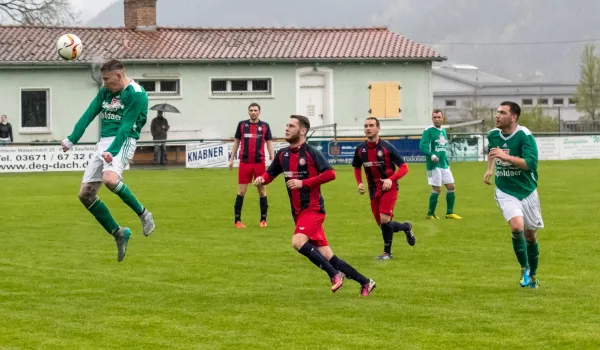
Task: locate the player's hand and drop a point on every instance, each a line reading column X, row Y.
column 434, row 158
column 64, row 147
column 107, row 157
column 259, row 181
column 387, row 184
column 231, row 165
column 361, row 189
column 497, row 153
column 294, row 184
column 487, row 176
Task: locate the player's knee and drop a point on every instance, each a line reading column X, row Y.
column 86, row 197
column 516, row 225
column 450, row 187
column 384, row 219
column 262, row 191
column 436, row 189
column 530, row 235
column 110, row 179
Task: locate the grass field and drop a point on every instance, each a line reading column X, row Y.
column 199, row 283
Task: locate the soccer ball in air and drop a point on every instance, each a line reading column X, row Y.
column 69, row 46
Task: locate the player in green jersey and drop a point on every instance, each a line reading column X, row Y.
column 434, row 142
column 122, row 105
column 513, row 150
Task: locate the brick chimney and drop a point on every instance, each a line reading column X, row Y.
column 140, row 14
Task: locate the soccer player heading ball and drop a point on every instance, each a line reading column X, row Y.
column 305, row 169
column 379, row 159
column 513, row 150
column 123, row 107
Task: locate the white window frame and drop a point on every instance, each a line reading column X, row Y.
column 248, row 93
column 159, row 95
column 36, row 130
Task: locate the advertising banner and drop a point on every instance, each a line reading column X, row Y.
column 44, row 158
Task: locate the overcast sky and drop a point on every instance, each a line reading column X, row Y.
column 89, row 8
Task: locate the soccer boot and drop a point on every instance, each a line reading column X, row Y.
column 147, row 222
column 337, row 281
column 534, row 283
column 122, row 238
column 367, row 288
column 263, row 223
column 453, row 216
column 525, row 278
column 431, row 217
column 410, row 235
column 384, row 256
column 239, row 225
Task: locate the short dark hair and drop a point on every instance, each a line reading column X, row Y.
column 375, row 119
column 302, row 120
column 514, row 108
column 437, row 110
column 111, row 66
column 254, row 104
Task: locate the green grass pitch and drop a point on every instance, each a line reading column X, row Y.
column 199, row 283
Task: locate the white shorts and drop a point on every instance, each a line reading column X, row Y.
column 529, row 208
column 120, row 162
column 438, row 177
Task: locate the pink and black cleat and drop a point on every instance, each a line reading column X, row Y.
column 337, row 281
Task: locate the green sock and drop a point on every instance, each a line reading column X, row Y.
column 450, row 202
column 433, row 199
column 520, row 247
column 128, row 198
column 533, row 254
column 102, row 214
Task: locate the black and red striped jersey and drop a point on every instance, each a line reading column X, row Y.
column 379, row 160
column 253, row 137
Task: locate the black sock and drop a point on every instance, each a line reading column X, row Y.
column 388, row 235
column 239, row 202
column 264, row 205
column 397, row 227
column 309, row 251
column 348, row 270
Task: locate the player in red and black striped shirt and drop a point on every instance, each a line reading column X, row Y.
column 305, row 169
column 380, row 158
column 252, row 135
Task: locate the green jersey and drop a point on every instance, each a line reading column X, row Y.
column 509, row 179
column 434, row 142
column 123, row 114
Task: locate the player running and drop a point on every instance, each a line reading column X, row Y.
column 513, row 150
column 305, row 169
column 252, row 134
column 434, row 141
column 379, row 159
column 123, row 107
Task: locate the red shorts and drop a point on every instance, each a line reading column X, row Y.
column 311, row 224
column 248, row 171
column 384, row 204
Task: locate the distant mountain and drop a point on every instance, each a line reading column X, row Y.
column 431, row 22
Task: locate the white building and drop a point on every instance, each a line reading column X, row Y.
column 459, row 90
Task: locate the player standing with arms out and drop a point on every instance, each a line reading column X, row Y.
column 123, row 107
column 252, row 135
column 434, row 141
column 305, row 169
column 378, row 157
column 514, row 151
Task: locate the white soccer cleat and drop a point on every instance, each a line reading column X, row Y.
column 147, row 223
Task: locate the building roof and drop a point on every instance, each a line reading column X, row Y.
column 36, row 44
column 468, row 74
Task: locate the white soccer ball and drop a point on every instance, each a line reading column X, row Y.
column 69, row 46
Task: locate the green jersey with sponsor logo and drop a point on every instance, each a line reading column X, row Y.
column 435, row 141
column 122, row 114
column 509, row 179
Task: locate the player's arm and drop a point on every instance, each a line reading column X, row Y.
column 357, row 164
column 400, row 163
column 272, row 172
column 90, row 114
column 325, row 170
column 490, row 165
column 425, row 144
column 269, row 139
column 138, row 102
column 236, row 144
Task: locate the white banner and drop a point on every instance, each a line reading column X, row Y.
column 217, row 154
column 568, row 147
column 44, row 158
